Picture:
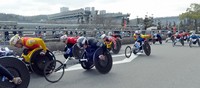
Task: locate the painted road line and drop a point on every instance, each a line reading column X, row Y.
column 126, row 60
column 119, row 55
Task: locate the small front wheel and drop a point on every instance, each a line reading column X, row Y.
column 128, row 51
column 54, row 71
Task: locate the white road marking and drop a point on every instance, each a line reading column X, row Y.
column 119, row 55
column 126, row 60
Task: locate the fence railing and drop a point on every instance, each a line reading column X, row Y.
column 54, row 34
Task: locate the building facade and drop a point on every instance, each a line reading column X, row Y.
column 87, row 16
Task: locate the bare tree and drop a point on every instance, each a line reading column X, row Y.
column 104, row 22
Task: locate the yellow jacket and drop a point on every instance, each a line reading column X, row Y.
column 147, row 36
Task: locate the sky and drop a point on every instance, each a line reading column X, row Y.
column 140, row 8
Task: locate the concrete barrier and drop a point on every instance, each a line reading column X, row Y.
column 59, row 46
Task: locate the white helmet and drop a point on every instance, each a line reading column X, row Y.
column 14, row 39
column 103, row 36
column 63, row 38
column 109, row 33
column 137, row 32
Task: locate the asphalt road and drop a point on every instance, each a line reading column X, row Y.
column 166, row 67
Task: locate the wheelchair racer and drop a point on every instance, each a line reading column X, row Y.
column 178, row 35
column 69, row 41
column 193, row 35
column 91, row 43
column 108, row 39
column 29, row 43
column 139, row 39
column 157, row 36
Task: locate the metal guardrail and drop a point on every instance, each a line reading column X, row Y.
column 54, row 34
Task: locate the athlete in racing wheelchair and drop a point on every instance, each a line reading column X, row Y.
column 95, row 54
column 71, row 50
column 157, row 37
column 169, row 36
column 111, row 43
column 194, row 39
column 35, row 54
column 178, row 37
column 139, row 45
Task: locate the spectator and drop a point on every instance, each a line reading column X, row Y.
column 84, row 33
column 53, row 32
column 44, row 33
column 20, row 32
column 14, row 30
column 6, row 34
column 71, row 33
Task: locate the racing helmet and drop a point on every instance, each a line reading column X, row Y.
column 63, row 38
column 81, row 41
column 137, row 32
column 103, row 36
column 109, row 33
column 14, row 40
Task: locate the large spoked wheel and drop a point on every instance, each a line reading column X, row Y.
column 18, row 69
column 38, row 61
column 147, row 48
column 86, row 64
column 128, row 51
column 103, row 65
column 118, row 46
column 54, row 71
column 77, row 52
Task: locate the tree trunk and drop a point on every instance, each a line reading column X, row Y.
column 195, row 25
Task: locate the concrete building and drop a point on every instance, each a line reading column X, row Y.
column 88, row 15
column 64, row 9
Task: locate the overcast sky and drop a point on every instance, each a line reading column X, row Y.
column 159, row 8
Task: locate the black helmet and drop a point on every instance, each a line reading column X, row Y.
column 81, row 41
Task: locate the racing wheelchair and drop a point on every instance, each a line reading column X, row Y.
column 138, row 48
column 36, row 61
column 88, row 60
column 157, row 38
column 194, row 41
column 16, row 67
column 177, row 39
column 73, row 51
column 110, row 45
